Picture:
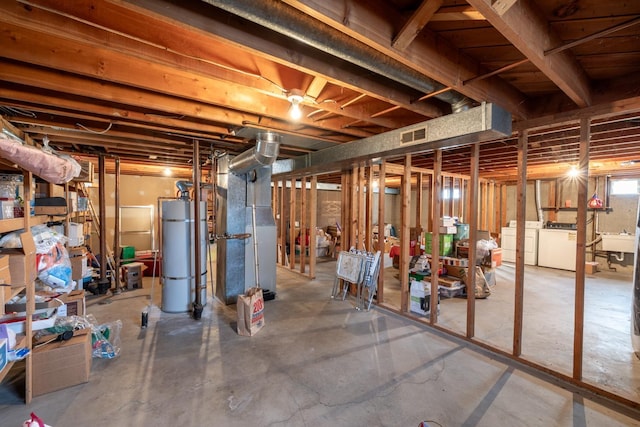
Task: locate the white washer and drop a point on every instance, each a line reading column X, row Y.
column 557, row 249
column 508, row 242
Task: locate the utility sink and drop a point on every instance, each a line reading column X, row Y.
column 619, row 243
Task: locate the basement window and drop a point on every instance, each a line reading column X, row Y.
column 621, row 187
column 446, row 194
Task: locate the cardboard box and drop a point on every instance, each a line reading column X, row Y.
column 496, row 257
column 50, row 206
column 79, row 267
column 458, row 272
column 448, row 230
column 132, row 274
column 5, row 272
column 446, row 244
column 50, row 210
column 86, row 171
column 22, row 262
column 74, row 304
column 61, row 364
column 75, row 233
column 591, row 267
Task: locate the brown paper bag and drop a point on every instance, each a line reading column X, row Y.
column 250, row 308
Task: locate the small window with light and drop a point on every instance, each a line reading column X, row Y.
column 624, row 187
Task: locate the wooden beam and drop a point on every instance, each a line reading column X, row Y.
column 369, row 213
column 581, row 247
column 303, row 225
column 362, row 214
column 419, row 198
column 282, row 223
column 416, row 23
column 436, row 200
column 313, row 224
column 594, row 36
column 528, row 30
column 521, row 210
column 292, row 224
column 353, row 219
column 473, row 238
column 405, row 213
column 457, row 13
column 430, row 54
column 381, row 226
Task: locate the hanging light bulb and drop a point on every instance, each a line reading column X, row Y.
column 295, row 98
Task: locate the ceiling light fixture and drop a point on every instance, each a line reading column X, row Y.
column 573, row 172
column 295, row 97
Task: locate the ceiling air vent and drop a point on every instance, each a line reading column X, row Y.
column 414, row 135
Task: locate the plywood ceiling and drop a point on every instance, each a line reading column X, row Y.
column 144, row 80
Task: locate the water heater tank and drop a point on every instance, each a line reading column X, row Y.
column 178, row 255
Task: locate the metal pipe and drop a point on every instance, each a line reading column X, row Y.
column 255, row 245
column 285, row 20
column 103, row 283
column 116, row 234
column 264, row 153
column 198, row 303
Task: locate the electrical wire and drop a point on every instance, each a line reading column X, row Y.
column 102, row 132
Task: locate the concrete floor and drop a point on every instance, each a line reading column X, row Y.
column 547, row 339
column 317, row 362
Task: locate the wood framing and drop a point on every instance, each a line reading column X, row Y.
column 581, row 240
column 521, row 209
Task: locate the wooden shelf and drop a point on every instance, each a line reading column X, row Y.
column 13, row 224
column 20, row 342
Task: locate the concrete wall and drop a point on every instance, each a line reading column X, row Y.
column 134, row 191
column 622, row 215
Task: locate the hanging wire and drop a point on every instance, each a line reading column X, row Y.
column 94, row 131
column 10, row 111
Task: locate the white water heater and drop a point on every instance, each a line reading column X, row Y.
column 178, row 255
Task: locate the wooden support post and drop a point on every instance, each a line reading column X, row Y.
column 419, row 185
column 381, row 226
column 313, row 224
column 303, row 225
column 463, row 201
column 283, row 223
column 404, row 234
column 521, row 207
column 430, row 211
column 353, row 219
column 292, row 224
column 473, row 238
column 491, row 207
column 369, row 212
column 362, row 217
column 345, row 210
column 552, row 200
column 581, row 240
column 435, row 234
column 503, row 206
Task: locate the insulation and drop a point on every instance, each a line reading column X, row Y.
column 53, row 168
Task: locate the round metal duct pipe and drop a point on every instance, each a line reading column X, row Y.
column 263, row 154
column 287, row 21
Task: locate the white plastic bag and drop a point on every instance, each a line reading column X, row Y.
column 34, row 421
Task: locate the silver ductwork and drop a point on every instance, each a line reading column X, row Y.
column 287, row 21
column 482, row 123
column 243, row 208
column 264, row 153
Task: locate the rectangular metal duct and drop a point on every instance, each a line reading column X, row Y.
column 482, row 123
